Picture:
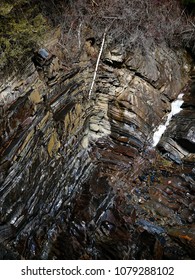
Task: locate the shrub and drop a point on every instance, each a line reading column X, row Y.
column 21, row 27
column 135, row 23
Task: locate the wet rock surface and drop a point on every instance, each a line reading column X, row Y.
column 79, row 178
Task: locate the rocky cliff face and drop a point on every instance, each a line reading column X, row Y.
column 79, row 179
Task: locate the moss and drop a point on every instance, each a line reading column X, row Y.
column 166, row 163
column 22, row 28
column 5, row 9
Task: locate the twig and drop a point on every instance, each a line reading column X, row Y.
column 79, row 34
column 187, row 31
column 112, row 17
column 95, row 3
column 192, row 23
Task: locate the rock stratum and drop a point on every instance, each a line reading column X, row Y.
column 79, row 176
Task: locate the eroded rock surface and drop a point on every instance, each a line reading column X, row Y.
column 79, row 179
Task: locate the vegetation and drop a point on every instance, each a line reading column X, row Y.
column 21, row 27
column 186, row 2
column 134, row 23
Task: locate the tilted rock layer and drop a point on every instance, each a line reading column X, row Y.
column 79, row 179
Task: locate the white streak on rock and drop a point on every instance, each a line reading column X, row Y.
column 175, row 109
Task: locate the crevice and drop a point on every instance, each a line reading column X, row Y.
column 112, row 63
column 186, row 144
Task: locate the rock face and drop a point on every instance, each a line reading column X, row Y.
column 179, row 140
column 79, row 179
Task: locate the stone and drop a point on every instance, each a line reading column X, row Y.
column 53, row 144
column 35, row 97
column 94, row 127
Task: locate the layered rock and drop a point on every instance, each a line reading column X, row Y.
column 78, row 173
column 179, row 140
column 43, row 159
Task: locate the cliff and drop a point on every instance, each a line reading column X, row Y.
column 79, row 176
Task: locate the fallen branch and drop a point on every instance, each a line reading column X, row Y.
column 97, row 64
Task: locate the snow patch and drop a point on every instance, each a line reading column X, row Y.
column 175, row 109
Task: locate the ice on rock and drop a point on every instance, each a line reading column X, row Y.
column 175, row 109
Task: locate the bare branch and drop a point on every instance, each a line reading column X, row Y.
column 94, row 2
column 79, row 34
column 192, row 23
